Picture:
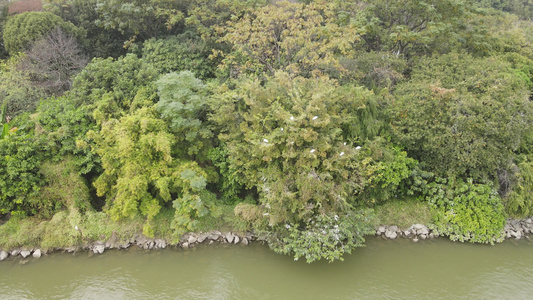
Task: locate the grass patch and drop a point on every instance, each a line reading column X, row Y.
column 222, row 218
column 404, row 213
column 60, row 231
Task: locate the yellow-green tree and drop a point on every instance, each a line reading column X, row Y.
column 296, row 38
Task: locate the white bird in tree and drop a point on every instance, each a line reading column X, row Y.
column 315, row 117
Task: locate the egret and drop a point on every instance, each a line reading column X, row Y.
column 292, row 118
column 358, row 147
column 342, row 153
column 281, row 129
column 315, row 117
column 76, row 227
column 312, row 150
column 265, row 140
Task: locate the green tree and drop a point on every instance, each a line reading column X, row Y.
column 179, row 53
column 462, row 115
column 100, row 42
column 20, row 179
column 183, row 103
column 141, row 19
column 109, row 86
column 22, row 30
column 140, row 173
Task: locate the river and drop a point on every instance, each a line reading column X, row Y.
column 398, row 269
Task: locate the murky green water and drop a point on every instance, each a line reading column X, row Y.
column 398, row 269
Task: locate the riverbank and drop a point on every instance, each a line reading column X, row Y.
column 514, row 229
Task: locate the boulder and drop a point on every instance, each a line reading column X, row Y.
column 423, row 236
column 160, row 244
column 214, row 235
column 516, row 234
column 192, row 239
column 15, row 252
column 422, row 231
column 25, row 253
column 407, row 233
column 394, row 228
column 390, row 234
column 98, row 249
column 201, row 238
column 112, row 242
column 229, row 237
column 37, row 253
column 382, row 229
column 236, row 240
column 185, row 245
column 418, row 226
column 415, row 240
column 3, row 255
column 245, row 241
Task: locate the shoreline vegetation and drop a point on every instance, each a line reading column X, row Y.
column 308, row 123
column 514, row 229
column 100, row 239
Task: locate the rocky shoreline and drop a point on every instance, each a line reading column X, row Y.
column 514, row 229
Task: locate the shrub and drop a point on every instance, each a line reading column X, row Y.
column 466, row 211
column 325, row 236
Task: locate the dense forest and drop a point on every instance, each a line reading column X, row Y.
column 294, row 120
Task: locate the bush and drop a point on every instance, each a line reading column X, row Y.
column 326, row 236
column 20, row 179
column 22, row 30
column 519, row 203
column 466, row 211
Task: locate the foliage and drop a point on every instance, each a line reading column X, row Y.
column 324, row 236
column 296, row 38
column 20, row 180
column 183, row 103
column 230, row 183
column 22, row 30
column 4, row 126
column 16, row 89
column 100, row 42
column 461, row 115
column 111, row 85
column 205, row 16
column 519, row 203
column 180, row 53
column 466, row 211
column 394, row 168
column 522, row 8
column 286, row 139
column 61, row 126
column 64, row 188
column 375, row 70
column 140, row 173
column 140, row 18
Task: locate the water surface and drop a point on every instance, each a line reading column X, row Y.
column 399, row 269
